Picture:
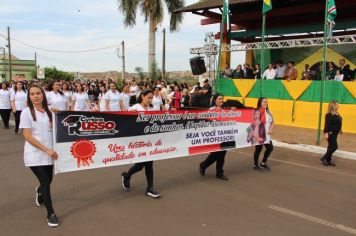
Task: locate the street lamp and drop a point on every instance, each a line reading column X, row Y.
column 3, row 49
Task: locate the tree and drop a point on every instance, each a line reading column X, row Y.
column 140, row 73
column 153, row 12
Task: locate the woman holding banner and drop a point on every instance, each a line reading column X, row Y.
column 143, row 104
column 36, row 122
column 219, row 156
column 333, row 124
column 267, row 119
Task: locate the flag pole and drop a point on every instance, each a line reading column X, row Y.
column 263, row 51
column 323, row 73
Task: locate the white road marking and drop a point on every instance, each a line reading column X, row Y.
column 313, row 219
column 325, row 169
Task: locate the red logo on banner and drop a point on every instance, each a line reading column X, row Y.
column 83, row 150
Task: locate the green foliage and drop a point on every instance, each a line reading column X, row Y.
column 140, row 73
column 156, row 73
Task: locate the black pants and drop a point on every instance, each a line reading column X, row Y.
column 332, row 146
column 5, row 116
column 148, row 169
column 132, row 100
column 219, row 158
column 258, row 149
column 44, row 175
column 17, row 120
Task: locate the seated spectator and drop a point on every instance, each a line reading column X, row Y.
column 227, row 73
column 339, row 76
column 306, row 73
column 291, row 73
column 257, row 72
column 248, row 71
column 330, row 73
column 280, row 70
column 269, row 73
column 345, row 70
column 238, row 73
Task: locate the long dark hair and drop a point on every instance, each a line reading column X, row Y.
column 23, row 86
column 143, row 94
column 44, row 103
column 50, row 86
column 6, row 84
column 259, row 105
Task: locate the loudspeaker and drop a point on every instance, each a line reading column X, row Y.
column 198, row 65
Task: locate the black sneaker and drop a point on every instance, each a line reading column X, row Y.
column 52, row 220
column 257, row 168
column 125, row 181
column 331, row 163
column 222, row 177
column 152, row 193
column 201, row 169
column 324, row 162
column 265, row 167
column 39, row 199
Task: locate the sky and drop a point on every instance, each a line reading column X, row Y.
column 75, row 25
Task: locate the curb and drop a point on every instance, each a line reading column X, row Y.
column 315, row 149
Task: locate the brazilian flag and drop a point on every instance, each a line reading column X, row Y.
column 267, row 6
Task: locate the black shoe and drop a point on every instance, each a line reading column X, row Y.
column 331, row 163
column 265, row 166
column 324, row 162
column 152, row 193
column 222, row 177
column 7, row 127
column 39, row 199
column 257, row 168
column 52, row 220
column 125, row 181
column 16, row 131
column 201, row 169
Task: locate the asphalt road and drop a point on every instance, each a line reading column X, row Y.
column 298, row 197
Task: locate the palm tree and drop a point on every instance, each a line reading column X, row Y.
column 153, row 12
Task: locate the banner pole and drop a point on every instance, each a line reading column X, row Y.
column 263, row 51
column 323, row 73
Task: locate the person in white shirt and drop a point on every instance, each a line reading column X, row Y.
column 157, row 101
column 144, row 103
column 125, row 98
column 134, row 89
column 339, row 76
column 102, row 97
column 67, row 94
column 56, row 98
column 267, row 119
column 5, row 104
column 36, row 122
column 80, row 100
column 18, row 102
column 112, row 98
column 269, row 73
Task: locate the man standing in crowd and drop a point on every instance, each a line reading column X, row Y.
column 269, row 73
column 291, row 73
column 248, row 71
column 345, row 69
column 205, row 92
column 280, row 70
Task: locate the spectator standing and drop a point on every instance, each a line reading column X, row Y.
column 291, row 73
column 280, row 70
column 270, row 73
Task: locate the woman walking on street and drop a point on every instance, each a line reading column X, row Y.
column 219, row 156
column 333, row 125
column 267, row 119
column 36, row 122
column 5, row 104
column 80, row 100
column 56, row 98
column 143, row 104
column 18, row 102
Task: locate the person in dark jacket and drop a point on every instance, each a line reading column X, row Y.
column 333, row 125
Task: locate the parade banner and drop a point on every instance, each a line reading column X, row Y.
column 87, row 140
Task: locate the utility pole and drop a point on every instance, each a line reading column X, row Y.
column 123, row 60
column 9, row 45
column 164, row 55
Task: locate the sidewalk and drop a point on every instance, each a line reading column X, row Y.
column 303, row 138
